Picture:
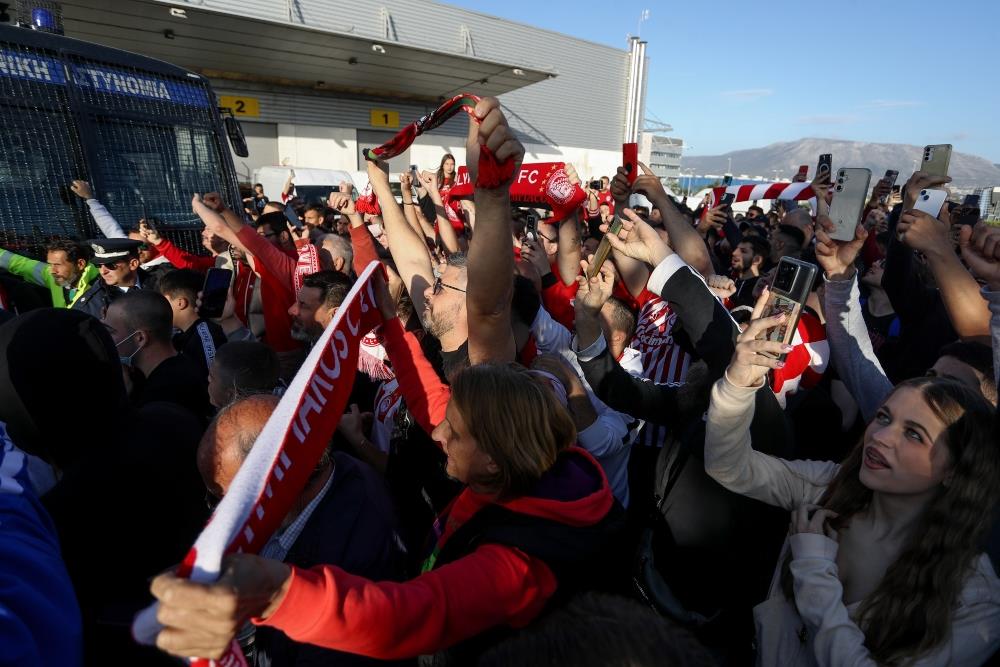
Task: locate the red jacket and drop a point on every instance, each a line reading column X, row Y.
column 491, row 586
column 277, row 287
column 182, row 259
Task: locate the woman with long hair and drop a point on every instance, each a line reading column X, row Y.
column 884, row 561
column 446, row 173
column 533, row 519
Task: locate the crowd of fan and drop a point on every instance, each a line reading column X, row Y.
column 535, row 466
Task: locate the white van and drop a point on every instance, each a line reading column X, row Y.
column 315, row 185
column 312, row 185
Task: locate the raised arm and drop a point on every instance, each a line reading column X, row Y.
column 729, row 457
column 570, row 253
column 683, row 237
column 981, row 251
column 406, row 246
column 847, row 332
column 105, row 221
column 412, row 209
column 448, row 236
column 611, row 383
column 491, row 262
column 966, row 309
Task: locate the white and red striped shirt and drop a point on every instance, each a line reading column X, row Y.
column 663, row 360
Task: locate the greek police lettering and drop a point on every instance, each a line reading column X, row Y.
column 109, row 81
column 34, row 68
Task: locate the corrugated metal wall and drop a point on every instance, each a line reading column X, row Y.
column 305, row 107
column 584, row 105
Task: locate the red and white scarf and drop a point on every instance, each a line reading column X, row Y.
column 796, row 191
column 284, row 455
column 544, row 184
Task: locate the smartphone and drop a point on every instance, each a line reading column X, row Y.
column 931, row 201
column 802, row 175
column 937, row 157
column 630, row 160
column 849, row 195
column 890, row 177
column 963, row 214
column 291, row 216
column 824, row 165
column 971, row 200
column 596, row 185
column 214, row 293
column 727, row 200
column 531, row 225
column 727, row 180
column 793, row 281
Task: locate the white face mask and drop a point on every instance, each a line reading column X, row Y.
column 127, row 361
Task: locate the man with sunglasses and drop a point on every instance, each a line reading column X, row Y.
column 118, row 262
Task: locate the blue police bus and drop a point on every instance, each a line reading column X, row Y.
column 146, row 135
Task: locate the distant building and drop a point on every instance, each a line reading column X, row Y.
column 662, row 154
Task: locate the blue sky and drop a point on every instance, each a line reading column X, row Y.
column 730, row 75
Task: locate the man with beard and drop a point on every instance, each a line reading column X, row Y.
column 316, row 304
column 444, row 315
column 748, row 259
column 66, row 272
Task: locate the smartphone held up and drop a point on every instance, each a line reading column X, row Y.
column 793, row 281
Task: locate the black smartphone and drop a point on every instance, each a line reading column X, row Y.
column 790, row 288
column 962, row 214
column 727, row 200
column 824, row 166
column 595, row 185
column 214, row 293
column 727, row 180
column 291, row 216
column 531, row 225
column 890, row 176
column 971, row 200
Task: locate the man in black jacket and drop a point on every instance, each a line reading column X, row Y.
column 343, row 517
column 118, row 262
column 721, row 546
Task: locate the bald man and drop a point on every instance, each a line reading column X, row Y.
column 343, row 517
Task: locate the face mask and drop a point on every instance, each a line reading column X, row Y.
column 127, row 361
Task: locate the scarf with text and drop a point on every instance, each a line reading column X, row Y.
column 284, row 455
column 542, row 185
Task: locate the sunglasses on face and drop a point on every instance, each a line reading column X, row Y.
column 439, row 285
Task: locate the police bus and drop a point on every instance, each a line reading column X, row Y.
column 146, row 135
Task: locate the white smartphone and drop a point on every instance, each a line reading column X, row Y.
column 931, row 201
column 849, row 193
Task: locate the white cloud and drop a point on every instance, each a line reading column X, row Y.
column 750, row 94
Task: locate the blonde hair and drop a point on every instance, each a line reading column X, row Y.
column 516, row 420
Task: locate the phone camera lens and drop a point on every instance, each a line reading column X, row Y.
column 839, row 188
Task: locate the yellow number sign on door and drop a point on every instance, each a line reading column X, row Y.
column 384, row 118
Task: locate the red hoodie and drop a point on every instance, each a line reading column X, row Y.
column 491, row 586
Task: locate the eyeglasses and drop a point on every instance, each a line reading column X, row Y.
column 438, row 285
column 211, row 500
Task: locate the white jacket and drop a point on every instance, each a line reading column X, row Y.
column 822, row 630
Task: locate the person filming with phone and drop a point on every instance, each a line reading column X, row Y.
column 884, row 561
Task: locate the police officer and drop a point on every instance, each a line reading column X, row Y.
column 118, row 262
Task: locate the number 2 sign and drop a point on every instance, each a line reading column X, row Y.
column 241, row 106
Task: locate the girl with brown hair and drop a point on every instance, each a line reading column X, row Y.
column 884, row 563
column 446, row 173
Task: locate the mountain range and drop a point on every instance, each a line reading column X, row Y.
column 967, row 171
